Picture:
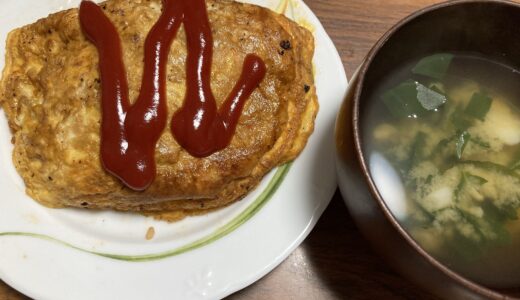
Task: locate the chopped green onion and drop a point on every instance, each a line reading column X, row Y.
column 460, row 120
column 474, row 179
column 441, row 145
column 478, row 106
column 416, row 151
column 434, row 66
column 515, row 164
column 466, row 178
column 510, row 211
column 402, row 102
column 480, row 143
column 495, row 217
column 462, row 141
column 487, row 165
column 459, row 188
column 412, row 99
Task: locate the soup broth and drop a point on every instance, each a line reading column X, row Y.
column 442, row 137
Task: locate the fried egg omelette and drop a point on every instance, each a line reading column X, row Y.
column 51, row 93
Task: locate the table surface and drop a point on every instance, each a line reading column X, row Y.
column 335, row 262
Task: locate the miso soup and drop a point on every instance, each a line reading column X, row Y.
column 442, row 137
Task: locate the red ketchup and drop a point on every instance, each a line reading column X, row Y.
column 129, row 133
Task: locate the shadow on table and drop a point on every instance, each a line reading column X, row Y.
column 346, row 264
column 7, row 293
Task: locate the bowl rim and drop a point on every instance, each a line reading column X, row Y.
column 356, row 128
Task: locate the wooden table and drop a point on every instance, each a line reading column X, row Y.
column 335, row 262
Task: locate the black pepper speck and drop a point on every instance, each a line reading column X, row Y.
column 285, row 44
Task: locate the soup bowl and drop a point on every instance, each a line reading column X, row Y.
column 486, row 27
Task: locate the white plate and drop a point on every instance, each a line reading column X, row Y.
column 75, row 254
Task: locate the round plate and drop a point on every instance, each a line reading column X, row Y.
column 78, row 254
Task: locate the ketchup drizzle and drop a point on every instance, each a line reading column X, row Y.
column 129, row 133
column 198, row 127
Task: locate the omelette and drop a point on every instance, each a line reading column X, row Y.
column 51, row 93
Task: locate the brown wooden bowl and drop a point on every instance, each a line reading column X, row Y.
column 488, row 27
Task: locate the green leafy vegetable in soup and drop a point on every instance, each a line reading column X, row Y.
column 453, row 136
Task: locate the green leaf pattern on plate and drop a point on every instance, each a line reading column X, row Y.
column 239, row 220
